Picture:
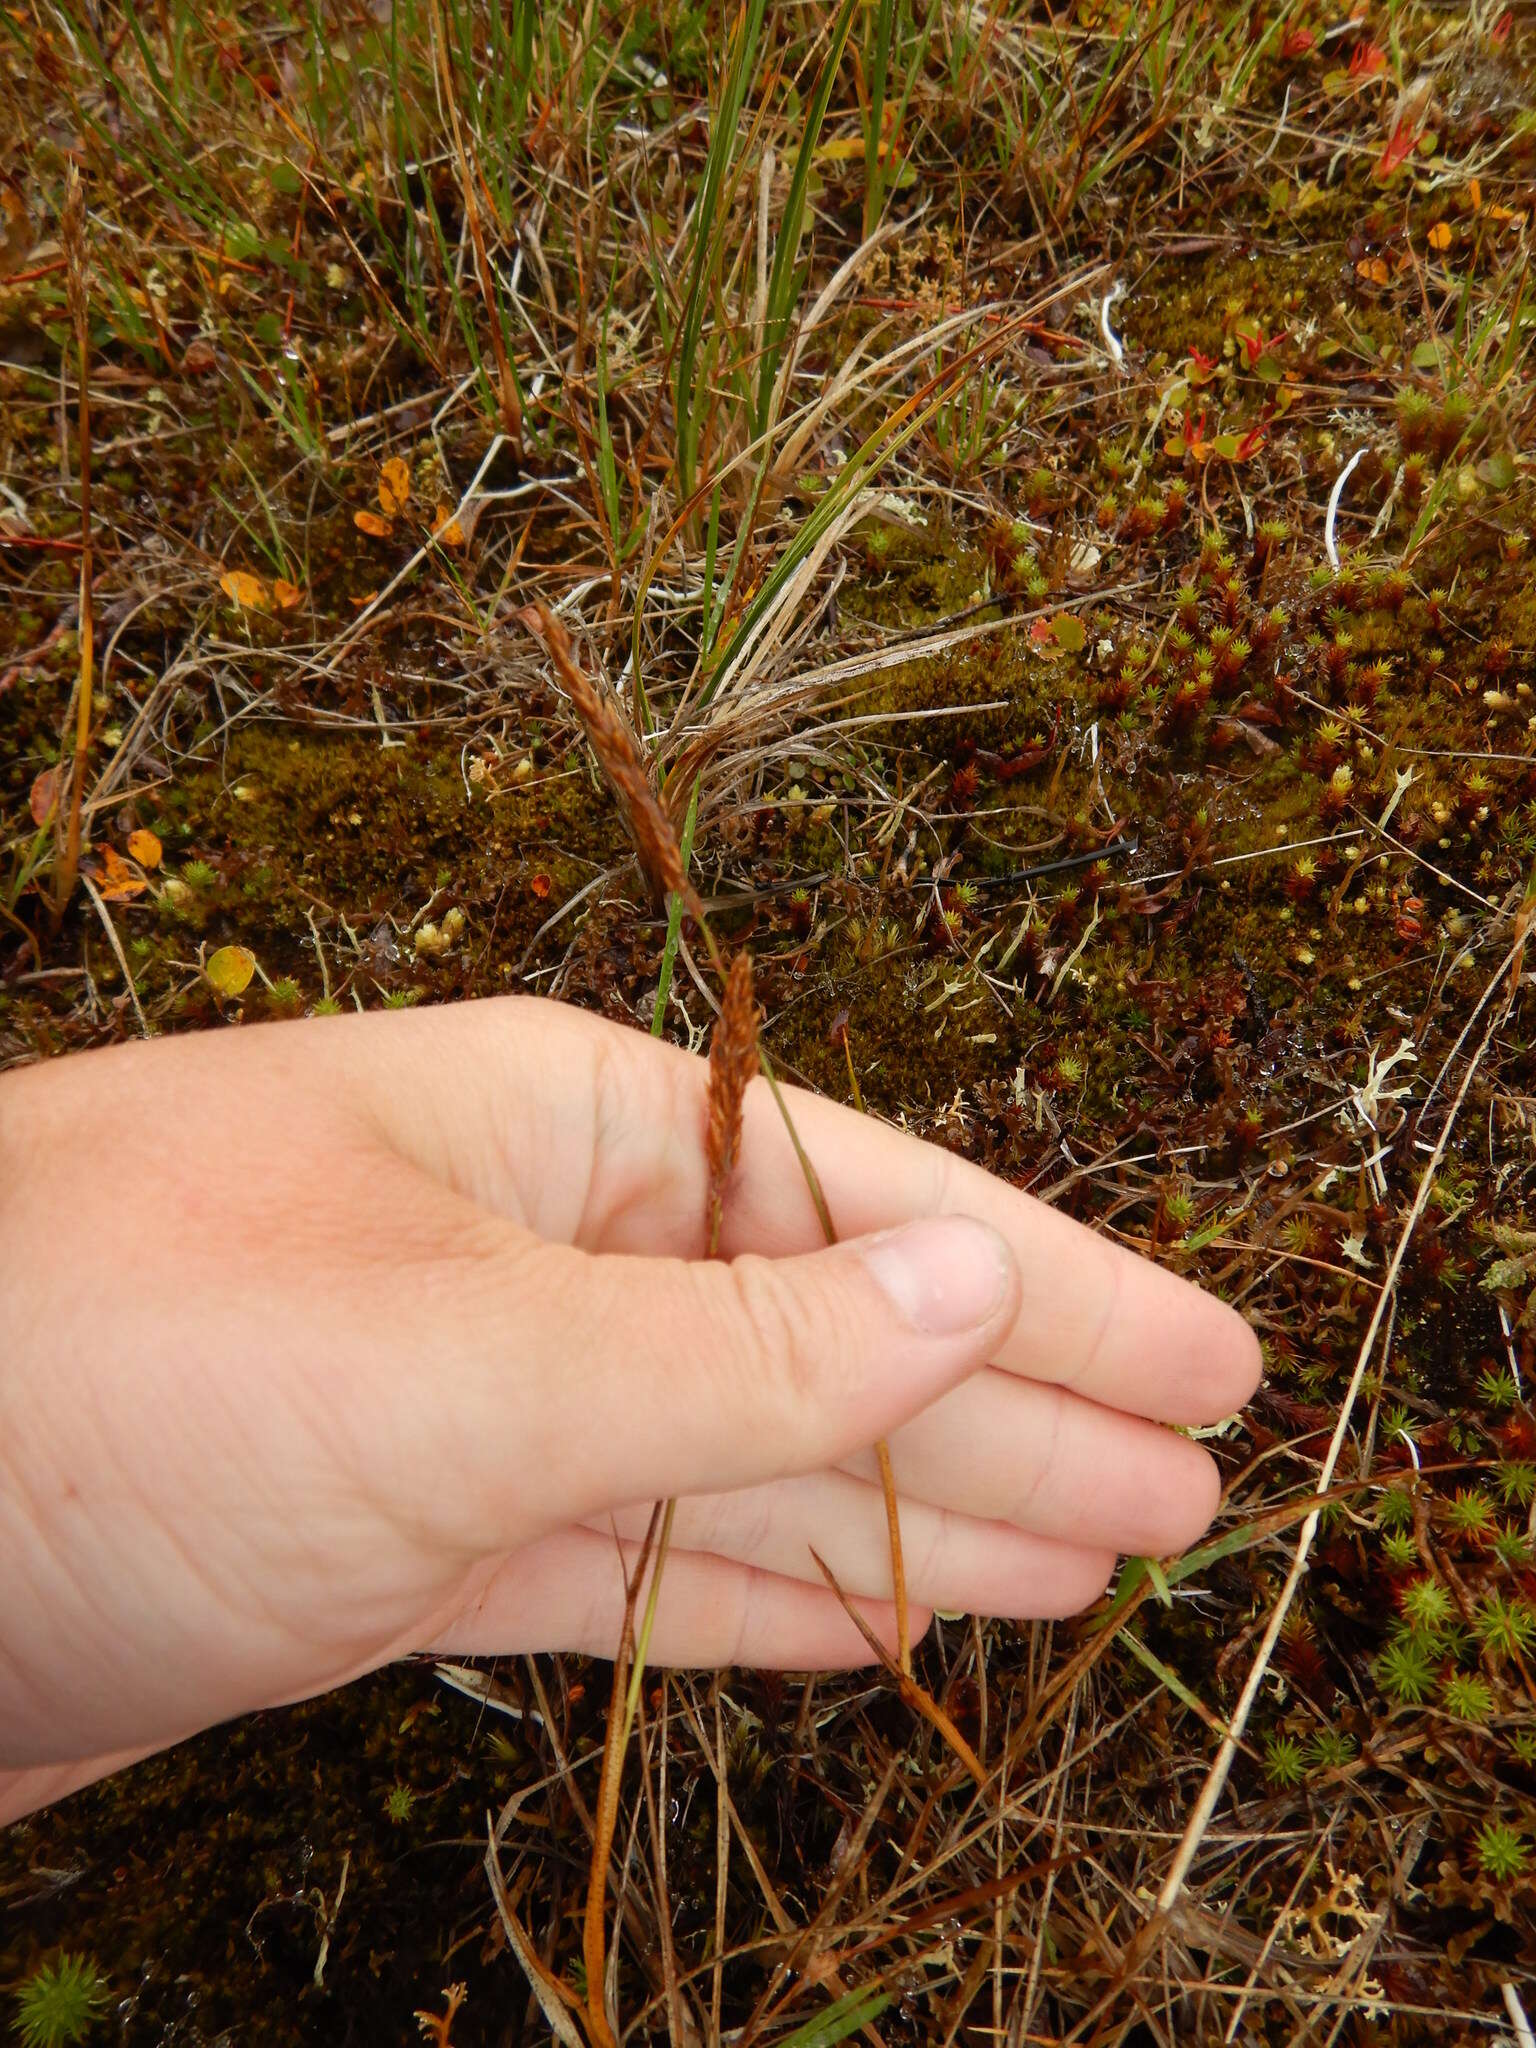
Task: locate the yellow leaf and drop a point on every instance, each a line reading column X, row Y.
column 245, row 590
column 1440, row 235
column 842, row 151
column 286, row 594
column 145, row 848
column 230, row 969
column 118, row 881
column 446, row 528
column 370, row 522
column 394, row 487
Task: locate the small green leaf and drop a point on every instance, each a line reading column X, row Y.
column 1159, row 1580
column 230, row 969
column 1498, row 470
column 1426, row 356
column 1071, row 634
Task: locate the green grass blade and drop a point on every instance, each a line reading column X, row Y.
column 674, row 923
column 844, row 2016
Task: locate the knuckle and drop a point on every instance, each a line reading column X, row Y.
column 771, row 1339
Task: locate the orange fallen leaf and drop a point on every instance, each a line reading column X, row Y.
column 370, row 522
column 446, row 528
column 394, row 487
column 1373, row 270
column 1440, row 235
column 45, row 794
column 245, row 590
column 118, row 880
column 286, row 594
column 230, row 969
column 145, row 848
column 539, row 884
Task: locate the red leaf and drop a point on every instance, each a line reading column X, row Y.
column 45, row 794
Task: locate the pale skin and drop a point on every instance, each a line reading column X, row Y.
column 329, row 1342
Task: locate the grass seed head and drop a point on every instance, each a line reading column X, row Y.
column 732, row 1064
column 617, row 748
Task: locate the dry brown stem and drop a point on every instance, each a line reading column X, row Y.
column 75, row 260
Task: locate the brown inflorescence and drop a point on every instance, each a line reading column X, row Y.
column 732, row 1064
column 617, row 748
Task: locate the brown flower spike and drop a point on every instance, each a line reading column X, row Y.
column 732, row 1063
column 617, row 748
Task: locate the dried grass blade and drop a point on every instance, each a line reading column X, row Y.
column 76, row 256
column 594, row 1922
column 548, row 1990
column 916, row 1696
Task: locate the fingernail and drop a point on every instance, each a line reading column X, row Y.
column 944, row 1276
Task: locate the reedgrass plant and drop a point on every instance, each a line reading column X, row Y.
column 736, row 1056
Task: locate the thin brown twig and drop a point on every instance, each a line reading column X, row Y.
column 76, row 258
column 914, row 1695
column 594, row 1924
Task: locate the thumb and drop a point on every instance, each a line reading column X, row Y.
column 636, row 1378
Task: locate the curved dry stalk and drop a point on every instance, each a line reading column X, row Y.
column 594, row 1922
column 75, row 256
column 914, row 1695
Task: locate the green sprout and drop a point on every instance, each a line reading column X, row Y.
column 1405, row 1670
column 1516, row 1482
column 60, row 2002
column 1400, row 1550
column 1398, row 1427
column 1394, row 1510
column 1498, row 1389
column 1284, row 1762
column 1507, row 1626
column 1467, row 1696
column 1427, row 1607
column 399, row 1804
column 1523, row 1747
column 1501, row 1851
column 1470, row 1514
column 1330, row 1750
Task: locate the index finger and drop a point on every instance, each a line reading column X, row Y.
column 1095, row 1318
column 593, row 1133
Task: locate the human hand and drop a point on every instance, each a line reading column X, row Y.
column 329, row 1342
